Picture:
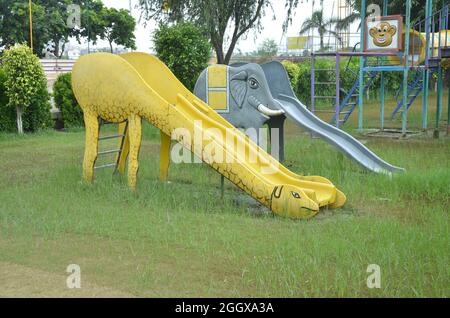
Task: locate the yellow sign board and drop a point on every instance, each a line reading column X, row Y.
column 297, row 42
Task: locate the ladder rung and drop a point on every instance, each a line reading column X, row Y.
column 323, row 97
column 109, row 151
column 107, row 123
column 325, row 69
column 109, row 165
column 111, row 137
column 325, row 83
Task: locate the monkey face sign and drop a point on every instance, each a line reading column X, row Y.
column 383, row 34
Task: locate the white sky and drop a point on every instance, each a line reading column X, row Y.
column 272, row 28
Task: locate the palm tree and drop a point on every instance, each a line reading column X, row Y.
column 323, row 26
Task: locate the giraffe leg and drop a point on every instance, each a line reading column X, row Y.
column 135, row 131
column 122, row 156
column 91, row 147
column 164, row 156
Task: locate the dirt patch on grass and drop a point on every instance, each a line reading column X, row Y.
column 116, row 268
column 23, row 281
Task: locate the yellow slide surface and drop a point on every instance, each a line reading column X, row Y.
column 137, row 85
column 417, row 46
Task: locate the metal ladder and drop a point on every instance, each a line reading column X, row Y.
column 415, row 87
column 111, row 151
column 325, row 84
column 351, row 99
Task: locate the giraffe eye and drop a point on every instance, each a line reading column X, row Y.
column 295, row 195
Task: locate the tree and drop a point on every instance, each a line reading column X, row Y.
column 56, row 15
column 14, row 25
column 92, row 22
column 119, row 27
column 50, row 23
column 317, row 22
column 394, row 7
column 268, row 48
column 26, row 88
column 184, row 49
column 216, row 17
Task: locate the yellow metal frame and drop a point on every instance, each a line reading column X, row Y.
column 444, row 35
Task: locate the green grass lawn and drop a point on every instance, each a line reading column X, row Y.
column 183, row 239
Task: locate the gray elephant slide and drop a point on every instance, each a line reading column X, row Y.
column 250, row 95
column 242, row 96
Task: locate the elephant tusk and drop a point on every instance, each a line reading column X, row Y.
column 270, row 112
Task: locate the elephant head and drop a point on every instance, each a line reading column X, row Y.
column 240, row 94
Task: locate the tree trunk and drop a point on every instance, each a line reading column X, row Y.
column 19, row 120
column 230, row 52
column 321, row 42
column 56, row 52
column 63, row 47
column 110, row 46
column 219, row 54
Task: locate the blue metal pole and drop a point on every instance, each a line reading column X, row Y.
column 439, row 100
column 426, row 73
column 440, row 78
column 382, row 100
column 361, row 68
column 406, row 68
column 337, row 106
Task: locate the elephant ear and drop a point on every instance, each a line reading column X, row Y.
column 238, row 87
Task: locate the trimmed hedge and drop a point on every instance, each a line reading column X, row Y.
column 66, row 102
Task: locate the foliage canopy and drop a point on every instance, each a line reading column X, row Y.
column 184, row 49
column 216, row 17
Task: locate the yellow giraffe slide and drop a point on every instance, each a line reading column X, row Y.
column 137, row 85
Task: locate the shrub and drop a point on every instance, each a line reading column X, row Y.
column 26, row 90
column 65, row 100
column 6, row 113
column 184, row 49
column 293, row 71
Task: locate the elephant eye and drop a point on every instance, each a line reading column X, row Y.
column 295, row 195
column 253, row 83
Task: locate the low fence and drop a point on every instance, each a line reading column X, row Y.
column 53, row 68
